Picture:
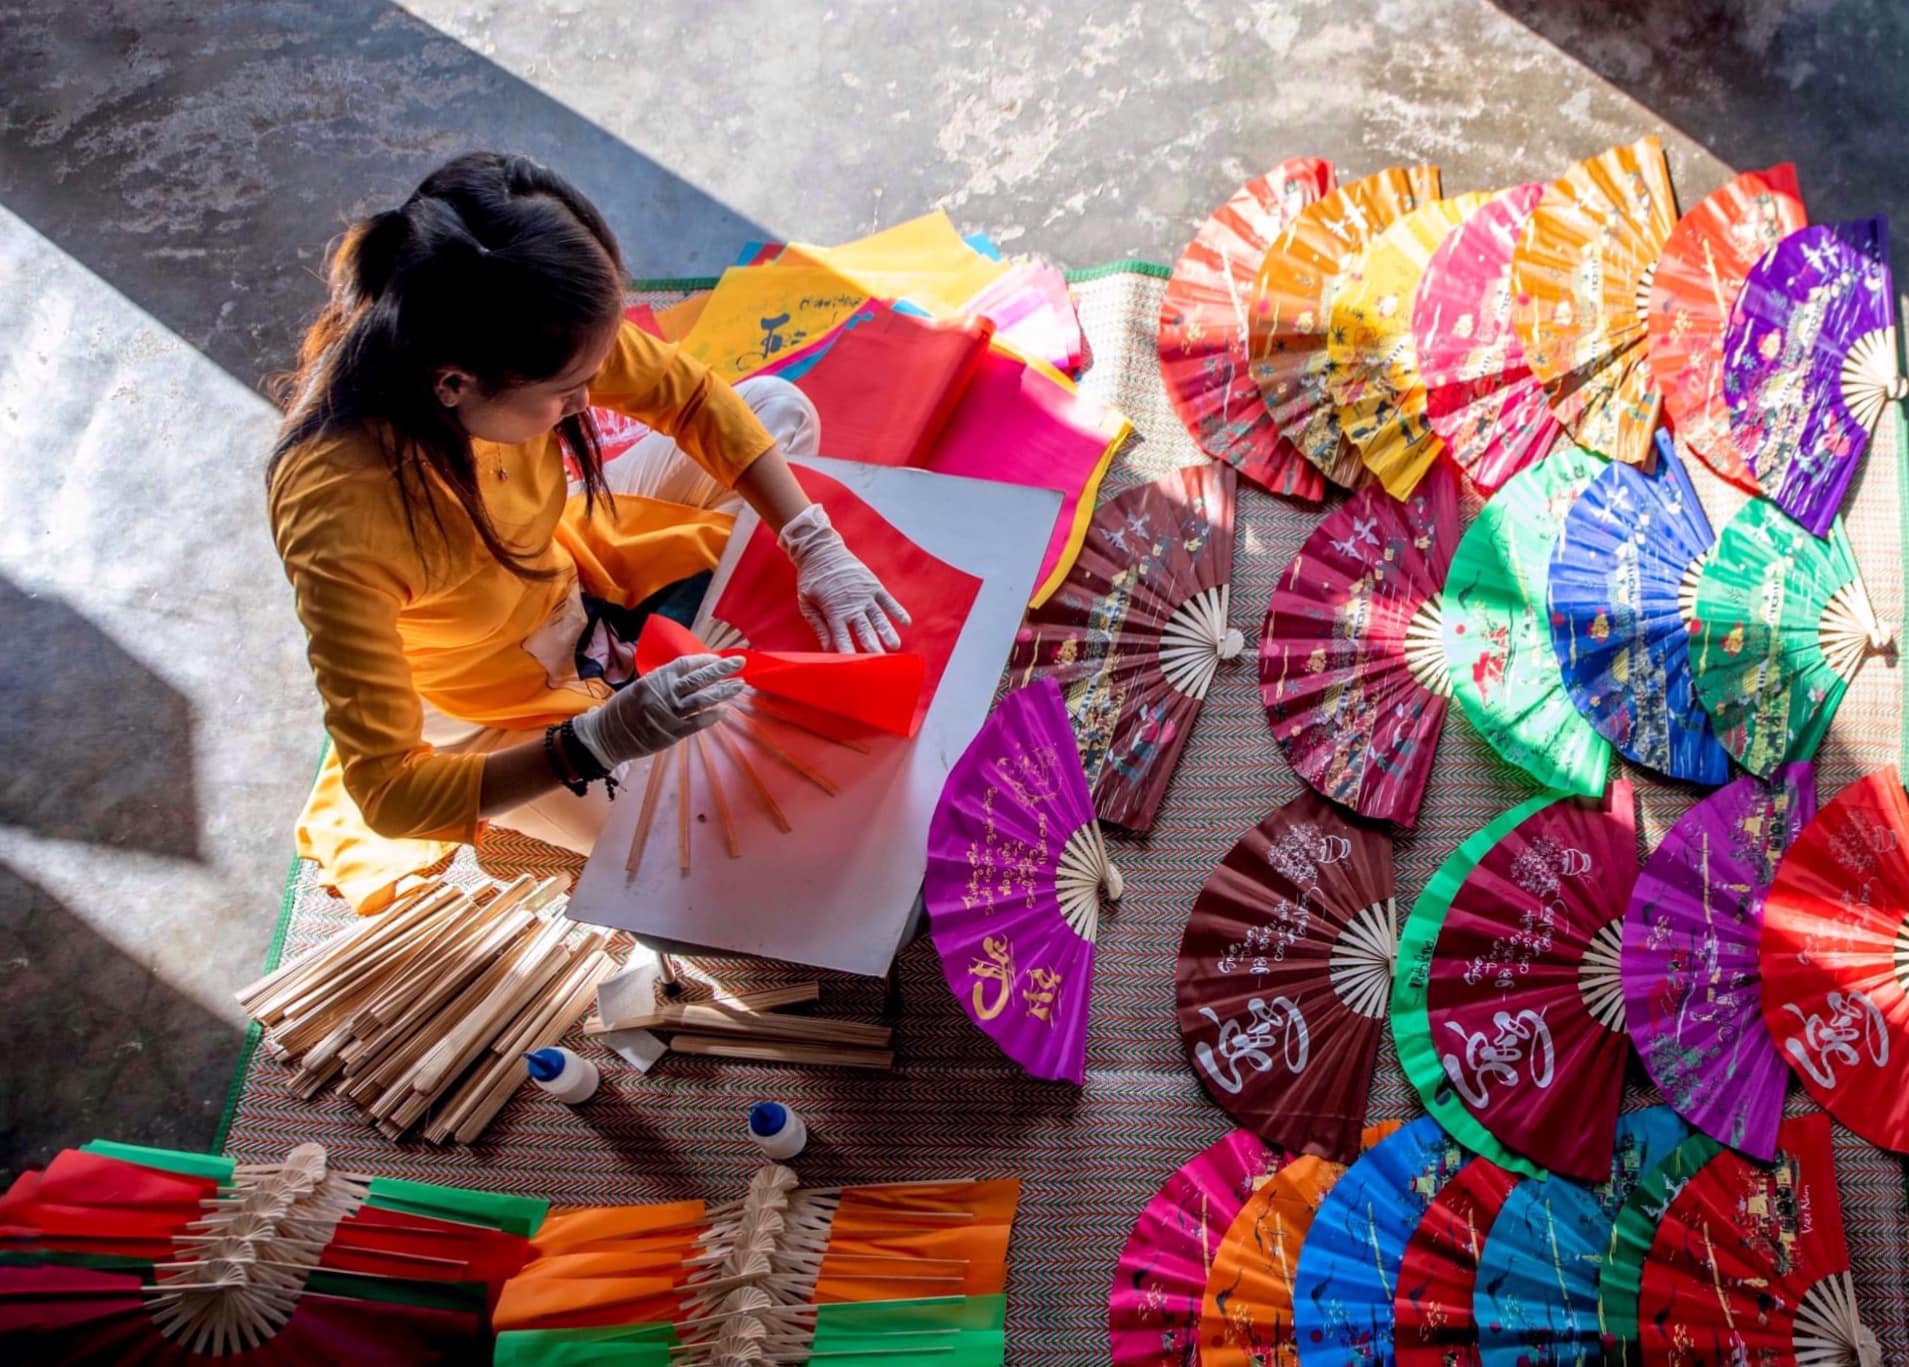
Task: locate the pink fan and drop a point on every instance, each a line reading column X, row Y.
column 1481, row 397
column 1153, row 1307
column 1016, row 870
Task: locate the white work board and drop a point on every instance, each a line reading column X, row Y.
column 839, row 889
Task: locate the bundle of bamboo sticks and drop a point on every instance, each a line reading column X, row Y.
column 748, row 1026
column 421, row 1015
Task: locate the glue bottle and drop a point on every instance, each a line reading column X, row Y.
column 777, row 1130
column 566, row 1075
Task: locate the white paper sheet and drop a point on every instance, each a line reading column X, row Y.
column 838, row 890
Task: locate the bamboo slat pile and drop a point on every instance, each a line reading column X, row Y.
column 749, row 1027
column 421, row 1015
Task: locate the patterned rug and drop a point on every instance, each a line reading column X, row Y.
column 1089, row 1159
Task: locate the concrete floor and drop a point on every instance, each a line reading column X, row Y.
column 170, row 172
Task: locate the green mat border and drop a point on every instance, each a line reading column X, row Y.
column 1153, row 270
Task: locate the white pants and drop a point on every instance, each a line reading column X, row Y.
column 654, row 467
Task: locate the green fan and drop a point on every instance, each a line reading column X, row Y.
column 1783, row 623
column 1498, row 637
column 1621, row 1278
column 1411, row 983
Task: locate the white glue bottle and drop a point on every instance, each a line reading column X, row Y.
column 777, row 1130
column 566, row 1075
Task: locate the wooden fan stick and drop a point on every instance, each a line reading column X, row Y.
column 718, row 797
column 773, row 709
column 748, row 770
column 816, row 1029
column 754, row 730
column 682, row 808
column 816, row 1055
column 767, row 1000
column 640, row 838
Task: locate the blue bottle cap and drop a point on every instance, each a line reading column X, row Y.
column 544, row 1064
column 766, row 1118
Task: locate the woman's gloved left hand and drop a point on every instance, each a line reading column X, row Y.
column 843, row 602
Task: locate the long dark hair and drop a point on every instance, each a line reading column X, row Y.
column 496, row 266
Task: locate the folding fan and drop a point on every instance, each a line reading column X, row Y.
column 1284, row 974
column 1537, row 1285
column 1204, row 329
column 1581, row 277
column 1137, row 633
column 1748, row 1263
column 1834, row 957
column 1438, row 1276
column 1159, row 1286
column 1632, row 1231
column 1372, row 365
column 1623, row 583
column 1699, row 275
column 1809, row 364
column 1511, row 1024
column 1349, row 1263
column 1782, row 624
column 1246, row 1317
column 1481, row 398
column 1498, row 648
column 1351, row 666
column 1016, row 871
column 1290, row 305
column 1692, row 992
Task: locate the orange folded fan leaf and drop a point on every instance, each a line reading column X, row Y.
column 1581, row 278
column 880, row 691
column 1698, row 278
column 1290, row 308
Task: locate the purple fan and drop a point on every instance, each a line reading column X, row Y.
column 1692, row 994
column 1810, row 363
column 1016, row 872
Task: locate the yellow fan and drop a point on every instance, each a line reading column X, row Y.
column 1581, row 277
column 1372, row 365
column 1286, row 332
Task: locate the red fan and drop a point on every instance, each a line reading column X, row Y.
column 1433, row 1323
column 1749, row 1263
column 1699, row 275
column 1351, row 660
column 1526, row 1009
column 1285, row 972
column 1136, row 634
column 1834, row 958
column 1204, row 329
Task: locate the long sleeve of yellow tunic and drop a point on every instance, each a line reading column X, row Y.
column 394, row 619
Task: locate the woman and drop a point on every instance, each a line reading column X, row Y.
column 469, row 608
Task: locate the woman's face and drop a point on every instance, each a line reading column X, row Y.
column 520, row 413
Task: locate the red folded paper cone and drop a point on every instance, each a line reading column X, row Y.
column 877, row 690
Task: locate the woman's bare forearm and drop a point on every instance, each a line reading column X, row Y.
column 769, row 486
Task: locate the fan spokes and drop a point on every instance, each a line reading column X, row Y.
column 1871, row 381
column 720, row 635
column 1829, row 1332
column 1425, row 648
column 1902, row 954
column 1687, row 589
column 1196, row 638
column 1848, row 631
column 1083, row 875
column 1600, row 976
column 1363, row 957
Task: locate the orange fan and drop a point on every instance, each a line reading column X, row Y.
column 1290, row 310
column 1581, row 278
column 1698, row 279
column 1246, row 1318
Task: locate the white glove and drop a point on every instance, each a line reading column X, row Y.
column 843, row 602
column 659, row 709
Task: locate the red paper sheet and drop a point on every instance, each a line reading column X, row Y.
column 759, row 599
column 882, row 691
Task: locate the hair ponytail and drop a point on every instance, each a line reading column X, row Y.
column 495, row 266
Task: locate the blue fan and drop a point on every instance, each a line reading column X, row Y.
column 1623, row 584
column 1536, row 1298
column 1349, row 1264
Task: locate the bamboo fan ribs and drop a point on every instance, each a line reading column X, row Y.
column 420, row 1016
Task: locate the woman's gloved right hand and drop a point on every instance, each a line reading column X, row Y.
column 661, row 708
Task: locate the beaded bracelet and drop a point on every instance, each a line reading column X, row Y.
column 575, row 764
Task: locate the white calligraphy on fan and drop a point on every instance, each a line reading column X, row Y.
column 1495, row 1058
column 1829, row 1040
column 1278, row 1026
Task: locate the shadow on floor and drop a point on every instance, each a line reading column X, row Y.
column 97, row 1045
column 97, row 747
column 199, row 157
column 1817, row 84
